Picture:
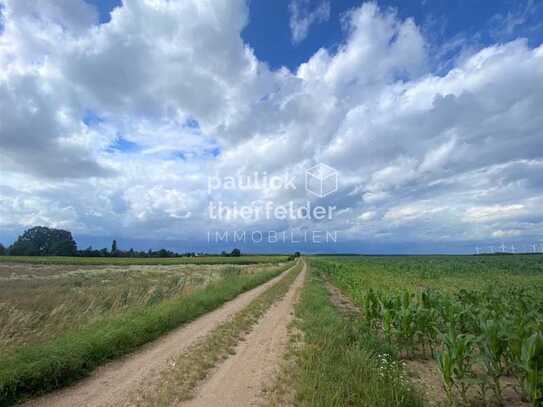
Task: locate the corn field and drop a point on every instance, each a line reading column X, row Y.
column 481, row 325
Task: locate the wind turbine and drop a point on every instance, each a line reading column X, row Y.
column 492, row 249
column 513, row 248
column 534, row 248
column 477, row 250
column 503, row 247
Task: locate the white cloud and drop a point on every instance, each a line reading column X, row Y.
column 420, row 156
column 493, row 212
column 369, row 215
column 302, row 18
column 500, row 234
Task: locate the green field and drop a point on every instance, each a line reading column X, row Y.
column 341, row 362
column 475, row 322
column 126, row 261
column 377, row 331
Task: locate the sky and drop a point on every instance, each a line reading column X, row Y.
column 387, row 126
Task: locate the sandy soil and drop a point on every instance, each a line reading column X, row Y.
column 112, row 384
column 341, row 301
column 242, row 378
column 426, row 377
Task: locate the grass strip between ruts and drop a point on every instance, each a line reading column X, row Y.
column 180, row 379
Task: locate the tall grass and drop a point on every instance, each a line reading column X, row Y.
column 34, row 369
column 341, row 363
column 39, row 302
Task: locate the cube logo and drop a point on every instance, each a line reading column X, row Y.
column 321, row 180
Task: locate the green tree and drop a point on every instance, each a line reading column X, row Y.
column 235, row 253
column 44, row 241
column 2, row 250
column 114, row 248
column 62, row 248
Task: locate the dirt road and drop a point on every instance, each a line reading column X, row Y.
column 112, row 384
column 240, row 379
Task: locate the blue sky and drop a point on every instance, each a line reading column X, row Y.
column 476, row 21
column 429, row 111
column 479, row 22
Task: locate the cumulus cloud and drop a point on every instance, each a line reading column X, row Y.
column 117, row 126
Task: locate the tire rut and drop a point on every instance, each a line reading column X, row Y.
column 241, row 379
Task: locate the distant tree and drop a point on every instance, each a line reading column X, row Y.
column 24, row 248
column 294, row 256
column 62, row 248
column 235, row 253
column 114, row 248
column 2, row 250
column 88, row 252
column 44, row 241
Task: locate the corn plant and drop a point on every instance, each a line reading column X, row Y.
column 492, row 344
column 531, row 365
column 445, row 362
column 455, row 363
column 426, row 328
column 372, row 307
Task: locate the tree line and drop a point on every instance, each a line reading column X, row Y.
column 44, row 241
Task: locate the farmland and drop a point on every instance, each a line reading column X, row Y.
column 376, row 331
column 127, row 261
column 59, row 321
column 467, row 330
column 38, row 302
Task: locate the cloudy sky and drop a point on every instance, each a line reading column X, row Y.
column 115, row 116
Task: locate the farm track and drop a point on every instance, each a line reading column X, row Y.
column 242, row 378
column 112, row 384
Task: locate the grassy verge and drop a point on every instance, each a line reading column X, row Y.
column 124, row 261
column 32, row 370
column 341, row 363
column 178, row 382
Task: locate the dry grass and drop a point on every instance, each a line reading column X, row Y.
column 126, row 261
column 27, row 370
column 39, row 302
